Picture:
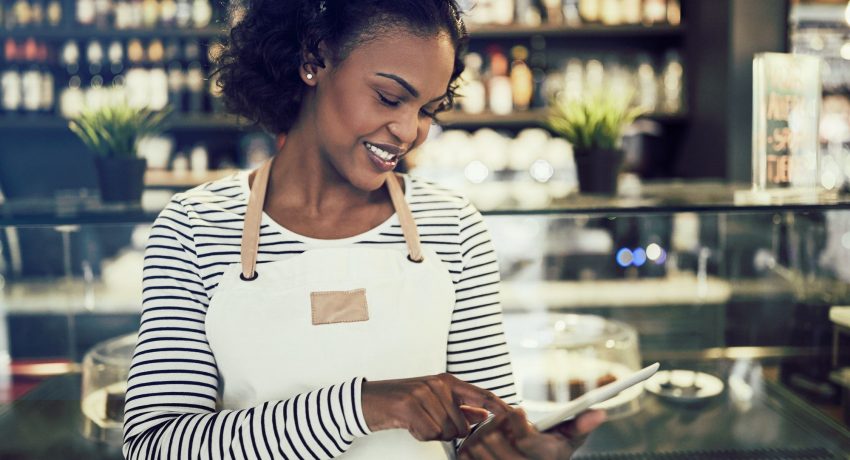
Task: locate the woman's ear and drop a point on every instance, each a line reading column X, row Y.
column 312, row 65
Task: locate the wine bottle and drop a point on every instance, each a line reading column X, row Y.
column 115, row 54
column 48, row 82
column 522, row 82
column 157, row 77
column 30, row 78
column 86, row 12
column 499, row 84
column 95, row 94
column 54, row 13
column 202, row 13
column 10, row 79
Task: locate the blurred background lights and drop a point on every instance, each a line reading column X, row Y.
column 639, row 256
column 662, row 258
column 653, row 252
column 625, row 257
column 541, row 171
column 476, row 172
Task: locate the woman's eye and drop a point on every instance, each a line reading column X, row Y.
column 388, row 102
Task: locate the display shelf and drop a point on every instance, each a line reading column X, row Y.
column 93, row 33
column 656, row 198
column 530, row 118
column 162, row 179
column 484, row 32
column 181, row 122
column 582, row 31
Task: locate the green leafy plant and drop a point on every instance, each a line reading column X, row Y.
column 114, row 130
column 593, row 122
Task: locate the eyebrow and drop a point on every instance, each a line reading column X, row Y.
column 407, row 86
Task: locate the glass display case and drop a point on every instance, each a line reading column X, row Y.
column 716, row 291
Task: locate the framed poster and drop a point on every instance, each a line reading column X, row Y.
column 786, row 110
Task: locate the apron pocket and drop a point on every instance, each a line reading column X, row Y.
column 339, row 306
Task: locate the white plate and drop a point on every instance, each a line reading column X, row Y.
column 683, row 382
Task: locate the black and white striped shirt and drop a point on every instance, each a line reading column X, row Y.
column 171, row 404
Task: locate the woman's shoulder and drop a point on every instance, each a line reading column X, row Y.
column 220, row 200
column 427, row 194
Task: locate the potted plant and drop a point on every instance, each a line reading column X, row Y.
column 113, row 132
column 594, row 126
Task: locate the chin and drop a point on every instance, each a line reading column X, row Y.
column 371, row 182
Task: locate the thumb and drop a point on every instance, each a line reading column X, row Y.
column 474, row 414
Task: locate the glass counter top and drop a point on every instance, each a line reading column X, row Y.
column 495, row 198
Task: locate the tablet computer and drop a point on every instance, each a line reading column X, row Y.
column 595, row 396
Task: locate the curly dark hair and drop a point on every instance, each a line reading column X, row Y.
column 258, row 66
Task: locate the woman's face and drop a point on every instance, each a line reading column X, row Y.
column 374, row 106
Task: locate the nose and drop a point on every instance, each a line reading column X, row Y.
column 405, row 129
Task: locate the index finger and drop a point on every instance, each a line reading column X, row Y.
column 471, row 395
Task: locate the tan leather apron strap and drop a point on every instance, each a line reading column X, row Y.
column 253, row 218
column 408, row 225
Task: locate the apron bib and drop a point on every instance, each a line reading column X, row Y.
column 328, row 315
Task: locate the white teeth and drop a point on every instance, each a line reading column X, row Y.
column 384, row 155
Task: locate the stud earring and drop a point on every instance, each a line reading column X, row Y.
column 309, row 76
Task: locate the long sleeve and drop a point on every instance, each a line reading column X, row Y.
column 173, row 385
column 477, row 350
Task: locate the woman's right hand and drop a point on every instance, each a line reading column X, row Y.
column 435, row 407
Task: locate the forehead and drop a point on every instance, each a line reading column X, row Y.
column 426, row 62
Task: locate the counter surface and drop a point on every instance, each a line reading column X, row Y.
column 46, row 424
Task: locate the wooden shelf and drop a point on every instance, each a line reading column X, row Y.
column 529, row 118
column 161, row 179
column 587, row 30
column 89, row 33
column 476, row 32
column 188, row 122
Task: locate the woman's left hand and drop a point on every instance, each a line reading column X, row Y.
column 510, row 436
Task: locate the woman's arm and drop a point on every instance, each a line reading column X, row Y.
column 477, row 350
column 170, row 409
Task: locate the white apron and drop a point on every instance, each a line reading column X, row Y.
column 267, row 347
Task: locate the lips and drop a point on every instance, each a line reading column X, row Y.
column 384, row 156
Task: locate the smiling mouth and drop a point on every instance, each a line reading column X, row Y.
column 382, row 154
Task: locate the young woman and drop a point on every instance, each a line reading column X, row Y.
column 324, row 305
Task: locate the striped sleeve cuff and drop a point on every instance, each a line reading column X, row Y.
column 356, row 414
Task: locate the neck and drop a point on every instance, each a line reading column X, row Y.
column 302, row 177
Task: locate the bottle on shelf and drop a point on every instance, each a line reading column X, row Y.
column 37, row 13
column 522, row 81
column 115, row 54
column 610, row 12
column 526, row 13
column 474, row 98
column 647, row 84
column 589, row 10
column 123, row 14
column 71, row 97
column 572, row 14
column 86, row 12
column 167, row 13
column 654, row 11
column 23, row 13
column 157, row 77
column 503, row 11
column 30, row 78
column 54, row 13
column 93, row 81
column 672, row 76
column 176, row 76
column 150, row 13
column 574, row 79
column 136, row 78
column 137, row 14
column 183, row 14
column 674, row 12
column 10, row 79
column 48, row 81
column 202, row 13
column 539, row 66
column 554, row 13
column 103, row 14
column 631, row 12
column 500, row 98
column 194, row 77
